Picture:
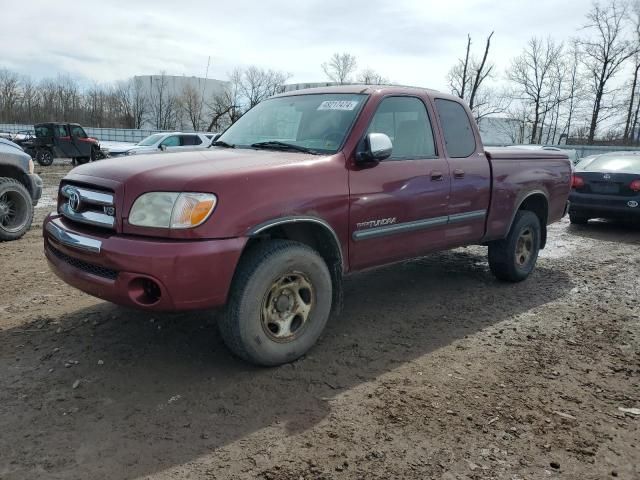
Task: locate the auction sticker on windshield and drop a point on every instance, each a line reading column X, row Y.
column 338, row 105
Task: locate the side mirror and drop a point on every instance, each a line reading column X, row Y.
column 163, row 148
column 377, row 147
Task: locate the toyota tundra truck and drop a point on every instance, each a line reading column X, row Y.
column 305, row 188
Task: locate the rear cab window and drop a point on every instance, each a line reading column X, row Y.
column 459, row 138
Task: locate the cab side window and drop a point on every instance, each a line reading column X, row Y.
column 458, row 134
column 77, row 131
column 406, row 122
column 61, row 131
column 172, row 141
column 188, row 140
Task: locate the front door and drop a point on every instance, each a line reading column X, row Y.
column 63, row 143
column 398, row 208
column 80, row 140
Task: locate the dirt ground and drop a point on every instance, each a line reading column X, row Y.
column 433, row 370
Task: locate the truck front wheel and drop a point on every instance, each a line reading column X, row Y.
column 514, row 258
column 279, row 303
column 16, row 209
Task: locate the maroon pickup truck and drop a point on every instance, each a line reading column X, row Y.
column 306, row 187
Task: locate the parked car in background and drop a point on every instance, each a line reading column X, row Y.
column 606, row 186
column 20, row 190
column 164, row 142
column 61, row 140
column 304, row 188
column 572, row 154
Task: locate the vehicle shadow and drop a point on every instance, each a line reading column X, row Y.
column 158, row 391
column 608, row 230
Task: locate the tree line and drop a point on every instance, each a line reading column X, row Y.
column 585, row 90
column 551, row 91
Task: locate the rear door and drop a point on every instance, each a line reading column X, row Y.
column 469, row 170
column 190, row 142
column 398, row 207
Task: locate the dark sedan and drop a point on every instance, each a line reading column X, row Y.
column 606, row 186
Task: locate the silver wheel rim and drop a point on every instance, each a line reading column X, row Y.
column 524, row 247
column 287, row 306
column 13, row 211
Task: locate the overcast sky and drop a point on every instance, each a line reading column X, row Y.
column 412, row 42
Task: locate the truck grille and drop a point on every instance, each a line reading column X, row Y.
column 84, row 266
column 91, row 207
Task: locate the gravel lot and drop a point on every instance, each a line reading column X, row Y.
column 433, row 370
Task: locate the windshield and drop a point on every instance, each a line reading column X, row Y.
column 319, row 122
column 612, row 163
column 151, row 140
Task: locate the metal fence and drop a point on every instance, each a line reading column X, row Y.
column 104, row 134
column 134, row 136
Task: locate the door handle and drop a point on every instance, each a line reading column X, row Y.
column 457, row 173
column 436, row 176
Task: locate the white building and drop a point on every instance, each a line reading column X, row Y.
column 174, row 86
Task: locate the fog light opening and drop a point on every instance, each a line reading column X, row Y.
column 144, row 291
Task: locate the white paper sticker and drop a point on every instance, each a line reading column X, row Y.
column 338, row 105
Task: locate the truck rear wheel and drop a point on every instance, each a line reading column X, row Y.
column 279, row 303
column 514, row 258
column 16, row 209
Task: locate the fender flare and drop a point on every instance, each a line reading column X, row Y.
column 293, row 219
column 524, row 198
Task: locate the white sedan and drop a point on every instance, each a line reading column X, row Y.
column 164, row 142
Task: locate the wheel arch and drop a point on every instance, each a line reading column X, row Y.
column 11, row 171
column 312, row 231
column 537, row 202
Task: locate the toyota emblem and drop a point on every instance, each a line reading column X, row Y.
column 632, row 203
column 74, row 201
column 606, row 176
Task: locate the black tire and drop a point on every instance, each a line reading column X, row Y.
column 16, row 209
column 577, row 219
column 245, row 327
column 506, row 258
column 44, row 157
column 82, row 160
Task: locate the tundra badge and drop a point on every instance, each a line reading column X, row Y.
column 377, row 223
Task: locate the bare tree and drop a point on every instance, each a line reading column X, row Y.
column 466, row 80
column 163, row 104
column 368, row 76
column 191, row 104
column 628, row 132
column 256, row 84
column 9, row 94
column 340, row 67
column 604, row 53
column 533, row 73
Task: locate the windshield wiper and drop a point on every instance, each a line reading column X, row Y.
column 277, row 145
column 221, row 143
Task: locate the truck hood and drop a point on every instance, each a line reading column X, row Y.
column 193, row 169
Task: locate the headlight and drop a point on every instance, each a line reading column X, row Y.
column 172, row 209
